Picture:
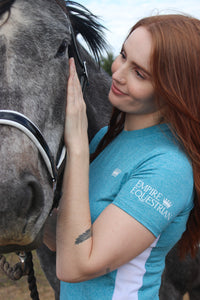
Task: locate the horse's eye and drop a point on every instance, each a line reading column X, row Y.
column 62, row 49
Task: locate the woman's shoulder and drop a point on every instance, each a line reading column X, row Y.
column 169, row 151
column 172, row 161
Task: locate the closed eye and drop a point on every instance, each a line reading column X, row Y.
column 139, row 71
column 122, row 53
column 139, row 74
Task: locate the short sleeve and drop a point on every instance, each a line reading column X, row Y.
column 158, row 191
column 97, row 138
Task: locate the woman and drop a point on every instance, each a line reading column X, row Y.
column 118, row 220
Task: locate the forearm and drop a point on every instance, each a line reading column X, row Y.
column 74, row 241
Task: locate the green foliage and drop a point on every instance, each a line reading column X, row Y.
column 106, row 62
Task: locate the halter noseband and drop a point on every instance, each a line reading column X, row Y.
column 20, row 121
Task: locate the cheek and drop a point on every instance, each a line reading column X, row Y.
column 138, row 90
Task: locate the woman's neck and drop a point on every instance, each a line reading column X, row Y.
column 136, row 122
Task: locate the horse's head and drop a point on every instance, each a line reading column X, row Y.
column 34, row 40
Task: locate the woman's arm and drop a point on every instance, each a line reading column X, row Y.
column 85, row 251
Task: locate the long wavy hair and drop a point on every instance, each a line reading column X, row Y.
column 175, row 69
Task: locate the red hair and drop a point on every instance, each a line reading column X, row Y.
column 175, row 69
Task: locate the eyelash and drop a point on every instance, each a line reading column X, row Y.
column 122, row 54
column 138, row 74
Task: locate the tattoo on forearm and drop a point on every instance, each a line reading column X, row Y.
column 84, row 236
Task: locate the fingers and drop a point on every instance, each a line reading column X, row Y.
column 72, row 68
column 70, row 87
column 73, row 82
column 74, row 91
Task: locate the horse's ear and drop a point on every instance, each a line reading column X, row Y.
column 87, row 24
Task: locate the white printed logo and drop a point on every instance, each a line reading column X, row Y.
column 116, row 172
column 167, row 203
column 153, row 198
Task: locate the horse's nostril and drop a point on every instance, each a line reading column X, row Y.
column 21, row 204
column 25, row 202
column 18, row 197
column 35, row 195
column 29, row 197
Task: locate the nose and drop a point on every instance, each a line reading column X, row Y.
column 119, row 72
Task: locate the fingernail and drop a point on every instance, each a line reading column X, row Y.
column 71, row 60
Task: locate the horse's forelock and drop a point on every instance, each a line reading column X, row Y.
column 5, row 5
column 87, row 24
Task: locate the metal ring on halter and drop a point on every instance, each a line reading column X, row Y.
column 22, row 256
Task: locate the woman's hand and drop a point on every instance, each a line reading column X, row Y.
column 76, row 124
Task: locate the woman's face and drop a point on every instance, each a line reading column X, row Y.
column 132, row 89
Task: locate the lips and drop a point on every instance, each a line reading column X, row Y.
column 116, row 91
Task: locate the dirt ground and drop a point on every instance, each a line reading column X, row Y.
column 18, row 290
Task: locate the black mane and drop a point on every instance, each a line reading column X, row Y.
column 5, row 5
column 87, row 24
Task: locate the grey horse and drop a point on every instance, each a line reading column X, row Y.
column 34, row 39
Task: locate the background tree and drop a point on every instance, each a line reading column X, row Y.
column 106, row 62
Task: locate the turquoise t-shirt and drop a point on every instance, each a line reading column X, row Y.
column 147, row 174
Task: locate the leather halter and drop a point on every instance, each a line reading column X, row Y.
column 73, row 51
column 20, row 121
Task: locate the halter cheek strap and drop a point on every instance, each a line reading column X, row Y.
column 73, row 51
